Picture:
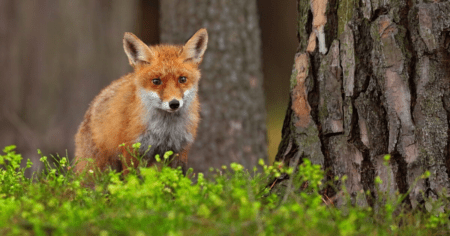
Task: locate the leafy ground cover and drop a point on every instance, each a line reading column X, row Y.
column 163, row 201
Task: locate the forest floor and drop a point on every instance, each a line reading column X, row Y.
column 162, row 201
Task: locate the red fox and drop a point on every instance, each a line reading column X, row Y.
column 156, row 104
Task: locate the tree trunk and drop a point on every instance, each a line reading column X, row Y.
column 232, row 128
column 372, row 78
column 55, row 57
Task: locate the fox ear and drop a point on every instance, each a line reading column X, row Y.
column 136, row 50
column 195, row 47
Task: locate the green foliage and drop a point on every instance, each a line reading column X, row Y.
column 162, row 201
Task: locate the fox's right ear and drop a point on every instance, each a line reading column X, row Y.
column 137, row 51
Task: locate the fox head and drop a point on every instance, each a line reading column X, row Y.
column 166, row 75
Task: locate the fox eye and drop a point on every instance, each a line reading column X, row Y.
column 182, row 79
column 156, row 81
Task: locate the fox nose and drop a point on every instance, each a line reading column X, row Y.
column 174, row 104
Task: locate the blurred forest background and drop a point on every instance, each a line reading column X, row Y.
column 55, row 56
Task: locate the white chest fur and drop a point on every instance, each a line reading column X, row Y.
column 165, row 131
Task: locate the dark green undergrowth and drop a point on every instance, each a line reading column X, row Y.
column 163, row 201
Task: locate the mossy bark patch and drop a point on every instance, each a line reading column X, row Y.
column 303, row 33
column 345, row 13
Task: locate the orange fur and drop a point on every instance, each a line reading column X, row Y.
column 120, row 113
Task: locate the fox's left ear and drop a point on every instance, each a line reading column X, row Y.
column 195, row 47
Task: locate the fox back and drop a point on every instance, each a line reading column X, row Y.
column 156, row 104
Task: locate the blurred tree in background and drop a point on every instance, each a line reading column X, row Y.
column 232, row 128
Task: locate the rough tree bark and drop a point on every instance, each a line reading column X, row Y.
column 372, row 78
column 232, row 102
column 55, row 57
